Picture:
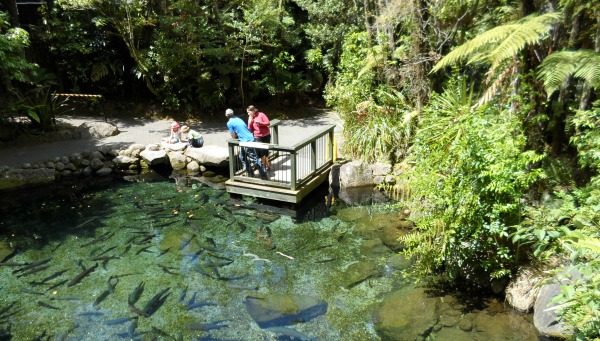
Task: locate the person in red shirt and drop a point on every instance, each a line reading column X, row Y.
column 258, row 124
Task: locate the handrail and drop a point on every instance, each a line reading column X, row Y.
column 305, row 158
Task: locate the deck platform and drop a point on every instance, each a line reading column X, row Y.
column 295, row 170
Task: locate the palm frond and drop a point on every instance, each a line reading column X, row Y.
column 510, row 39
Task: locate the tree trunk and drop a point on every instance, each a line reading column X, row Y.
column 13, row 11
column 368, row 20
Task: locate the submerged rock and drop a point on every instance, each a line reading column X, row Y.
column 359, row 272
column 5, row 250
column 406, row 314
column 14, row 178
column 283, row 309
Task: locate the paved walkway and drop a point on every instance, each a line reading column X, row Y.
column 145, row 131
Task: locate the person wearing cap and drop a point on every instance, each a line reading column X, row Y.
column 239, row 130
column 194, row 138
column 175, row 136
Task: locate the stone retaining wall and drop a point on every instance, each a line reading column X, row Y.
column 106, row 161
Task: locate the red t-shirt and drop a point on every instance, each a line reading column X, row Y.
column 259, row 126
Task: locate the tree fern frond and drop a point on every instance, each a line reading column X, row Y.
column 495, row 86
column 592, row 244
column 589, row 68
column 530, row 30
column 511, row 38
column 556, row 69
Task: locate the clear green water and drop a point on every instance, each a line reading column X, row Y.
column 192, row 241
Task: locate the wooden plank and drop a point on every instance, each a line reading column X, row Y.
column 273, row 193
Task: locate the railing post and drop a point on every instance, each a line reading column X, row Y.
column 313, row 156
column 331, row 145
column 231, row 160
column 293, row 165
column 275, row 131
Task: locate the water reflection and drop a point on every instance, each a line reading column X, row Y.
column 182, row 261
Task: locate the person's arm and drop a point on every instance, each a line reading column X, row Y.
column 234, row 135
column 264, row 121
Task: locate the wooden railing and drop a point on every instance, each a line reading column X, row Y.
column 291, row 166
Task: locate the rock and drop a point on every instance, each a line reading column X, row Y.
column 5, row 250
column 173, row 146
column 391, row 233
column 153, row 147
column 506, row 325
column 14, row 178
column 355, row 174
column 96, row 155
column 209, row 155
column 378, row 179
column 104, row 171
column 283, row 309
column 97, row 130
column 193, row 167
column 71, row 167
column 380, row 169
column 523, row 289
column 373, row 247
column 76, row 159
column 59, row 166
column 97, row 164
column 406, row 314
column 358, row 273
column 546, row 320
column 125, row 162
column 153, row 158
column 177, row 160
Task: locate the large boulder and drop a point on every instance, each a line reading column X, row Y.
column 97, row 130
column 406, row 314
column 545, row 317
column 177, row 160
column 14, row 178
column 155, row 157
column 355, row 174
column 125, row 162
column 173, row 146
column 209, row 155
column 523, row 289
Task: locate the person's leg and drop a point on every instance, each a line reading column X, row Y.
column 251, row 156
column 248, row 155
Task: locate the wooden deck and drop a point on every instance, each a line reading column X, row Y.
column 295, row 170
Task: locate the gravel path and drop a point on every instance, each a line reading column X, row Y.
column 146, row 131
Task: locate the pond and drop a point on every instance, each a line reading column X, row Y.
column 181, row 261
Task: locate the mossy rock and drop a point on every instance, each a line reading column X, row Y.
column 5, row 250
column 269, row 310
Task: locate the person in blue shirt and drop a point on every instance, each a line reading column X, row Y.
column 239, row 130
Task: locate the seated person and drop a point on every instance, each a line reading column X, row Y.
column 175, row 136
column 193, row 138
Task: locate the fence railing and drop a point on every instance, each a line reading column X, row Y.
column 291, row 166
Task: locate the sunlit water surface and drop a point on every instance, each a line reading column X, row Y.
column 162, row 261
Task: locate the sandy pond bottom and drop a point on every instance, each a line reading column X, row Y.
column 160, row 261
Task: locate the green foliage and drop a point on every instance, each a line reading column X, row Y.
column 369, row 107
column 13, row 41
column 469, row 174
column 579, row 300
column 558, row 67
column 501, row 43
column 587, row 136
column 38, row 103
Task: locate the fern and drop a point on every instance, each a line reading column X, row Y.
column 558, row 67
column 509, row 40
